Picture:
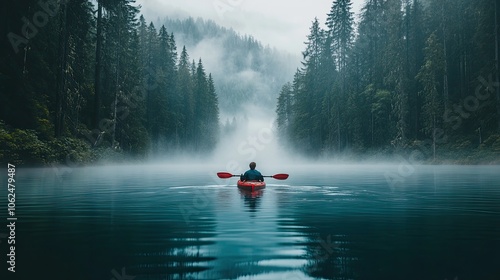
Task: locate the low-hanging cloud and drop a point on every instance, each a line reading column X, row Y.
column 279, row 24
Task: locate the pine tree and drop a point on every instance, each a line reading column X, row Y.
column 340, row 23
column 369, row 43
column 429, row 75
column 415, row 43
column 200, row 94
column 284, row 110
column 497, row 63
column 98, row 66
column 61, row 93
column 92, row 80
column 308, row 100
column 166, row 75
column 330, row 101
column 211, row 121
column 394, row 70
column 185, row 89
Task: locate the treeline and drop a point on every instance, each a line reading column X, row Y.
column 82, row 81
column 245, row 71
column 414, row 73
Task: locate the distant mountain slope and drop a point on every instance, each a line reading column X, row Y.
column 245, row 72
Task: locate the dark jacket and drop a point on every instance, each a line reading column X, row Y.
column 252, row 175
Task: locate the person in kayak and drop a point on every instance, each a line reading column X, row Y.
column 252, row 174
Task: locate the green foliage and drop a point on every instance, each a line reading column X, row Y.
column 106, row 73
column 23, row 147
column 340, row 23
column 411, row 75
column 237, row 58
column 431, row 72
column 67, row 149
column 284, row 107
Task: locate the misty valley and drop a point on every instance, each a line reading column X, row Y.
column 111, row 86
column 145, row 139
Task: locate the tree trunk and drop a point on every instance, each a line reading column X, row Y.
column 117, row 86
column 497, row 84
column 117, row 91
column 338, row 130
column 61, row 78
column 434, row 137
column 373, row 130
column 98, row 61
column 445, row 76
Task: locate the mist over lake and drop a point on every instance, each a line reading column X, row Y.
column 342, row 139
column 167, row 221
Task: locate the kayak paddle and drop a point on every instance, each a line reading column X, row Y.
column 226, row 175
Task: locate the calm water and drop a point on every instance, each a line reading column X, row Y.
column 329, row 222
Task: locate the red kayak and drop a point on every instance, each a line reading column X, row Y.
column 251, row 185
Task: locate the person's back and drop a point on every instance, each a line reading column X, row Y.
column 252, row 174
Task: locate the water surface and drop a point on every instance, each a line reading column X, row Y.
column 324, row 222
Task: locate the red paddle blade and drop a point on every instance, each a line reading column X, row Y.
column 224, row 175
column 280, row 176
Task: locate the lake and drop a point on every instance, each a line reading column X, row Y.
column 163, row 221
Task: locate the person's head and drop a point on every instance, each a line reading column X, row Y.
column 252, row 165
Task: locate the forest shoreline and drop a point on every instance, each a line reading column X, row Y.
column 27, row 148
column 471, row 157
column 406, row 157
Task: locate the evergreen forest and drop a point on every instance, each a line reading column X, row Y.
column 87, row 80
column 412, row 75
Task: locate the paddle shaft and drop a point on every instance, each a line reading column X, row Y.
column 262, row 176
column 226, row 175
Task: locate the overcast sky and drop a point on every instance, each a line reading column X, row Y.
column 277, row 23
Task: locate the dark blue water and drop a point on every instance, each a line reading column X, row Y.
column 324, row 222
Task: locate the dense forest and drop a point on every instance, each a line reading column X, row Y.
column 86, row 80
column 410, row 75
column 245, row 71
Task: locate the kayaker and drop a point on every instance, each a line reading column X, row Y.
column 252, row 174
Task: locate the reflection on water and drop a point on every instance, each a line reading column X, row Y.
column 157, row 222
column 251, row 199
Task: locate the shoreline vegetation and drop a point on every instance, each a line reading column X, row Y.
column 99, row 84
column 434, row 80
column 24, row 148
